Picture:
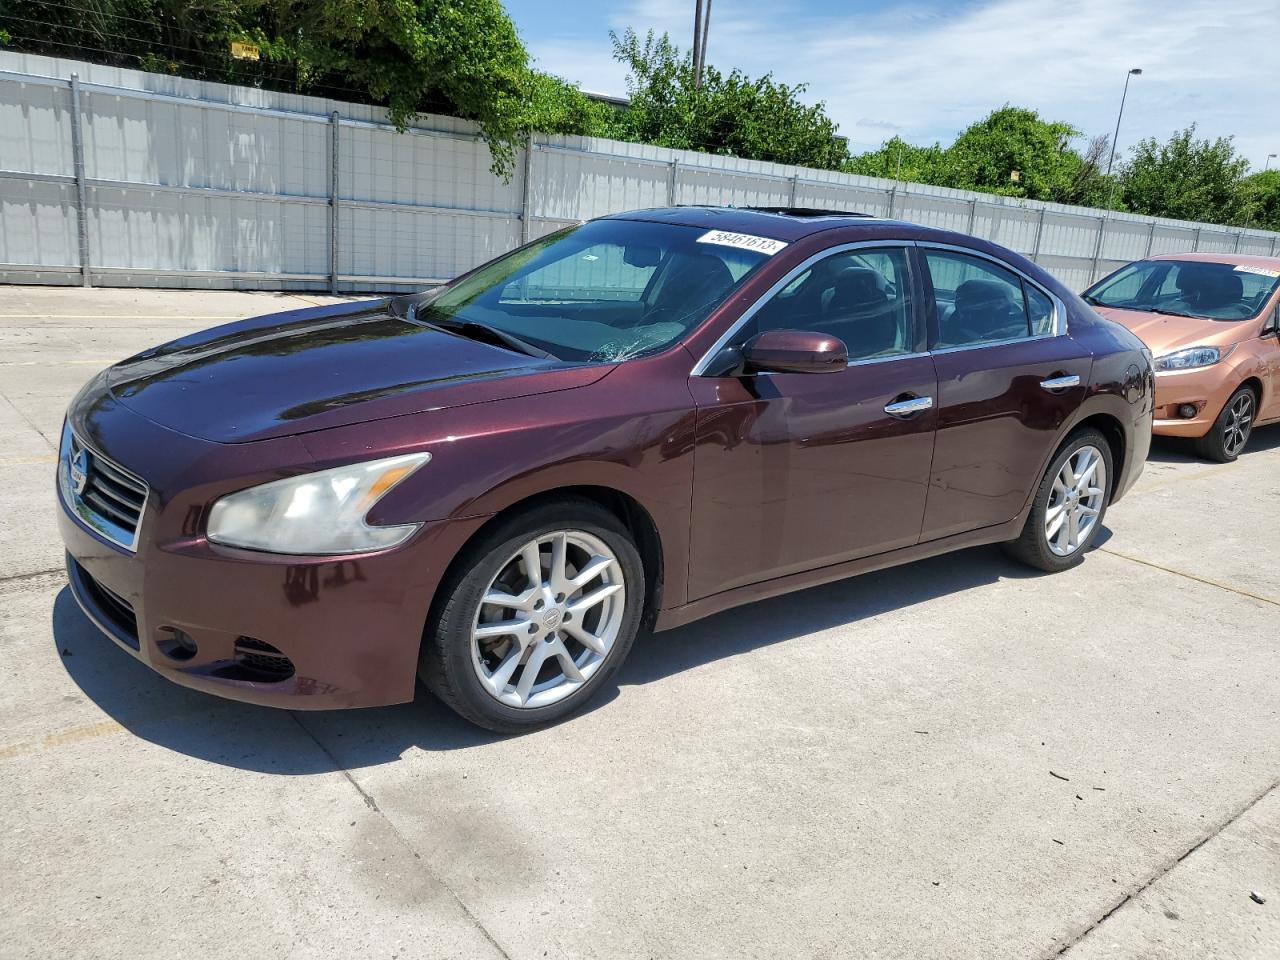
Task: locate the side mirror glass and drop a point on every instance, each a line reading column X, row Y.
column 794, row 351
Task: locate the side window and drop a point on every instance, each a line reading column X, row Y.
column 606, row 271
column 861, row 296
column 1127, row 287
column 977, row 301
column 1040, row 310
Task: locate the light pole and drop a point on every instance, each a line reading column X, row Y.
column 1267, row 166
column 1111, row 187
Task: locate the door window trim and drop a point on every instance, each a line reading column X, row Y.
column 1059, row 325
column 915, row 317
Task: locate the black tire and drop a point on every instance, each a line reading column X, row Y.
column 1215, row 444
column 445, row 664
column 1032, row 546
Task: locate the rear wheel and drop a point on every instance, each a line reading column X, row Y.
column 1230, row 432
column 536, row 617
column 1069, row 506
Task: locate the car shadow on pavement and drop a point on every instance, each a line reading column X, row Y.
column 297, row 743
column 1181, row 450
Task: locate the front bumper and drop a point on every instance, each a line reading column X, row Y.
column 296, row 632
column 350, row 627
column 1208, row 388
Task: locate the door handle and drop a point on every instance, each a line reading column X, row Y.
column 1054, row 384
column 909, row 407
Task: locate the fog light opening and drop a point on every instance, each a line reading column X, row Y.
column 177, row 645
column 261, row 661
column 1187, row 411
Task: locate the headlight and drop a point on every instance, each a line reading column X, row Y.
column 1190, row 357
column 315, row 513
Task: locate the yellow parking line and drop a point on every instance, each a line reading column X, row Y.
column 103, row 728
column 1191, row 576
column 25, row 461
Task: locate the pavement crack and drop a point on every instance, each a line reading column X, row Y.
column 372, row 804
column 19, row 577
column 29, row 422
column 1190, row 576
column 1162, row 871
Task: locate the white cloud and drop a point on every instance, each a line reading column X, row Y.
column 931, row 72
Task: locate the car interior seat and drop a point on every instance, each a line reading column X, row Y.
column 984, row 310
column 861, row 314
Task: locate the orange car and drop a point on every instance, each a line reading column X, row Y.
column 1213, row 323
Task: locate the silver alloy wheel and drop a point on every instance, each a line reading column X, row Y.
column 549, row 618
column 1076, row 501
column 1239, row 422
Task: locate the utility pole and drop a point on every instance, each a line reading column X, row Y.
column 1111, row 187
column 1267, row 166
column 706, row 32
column 701, row 28
column 697, row 44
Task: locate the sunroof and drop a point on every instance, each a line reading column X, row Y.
column 807, row 212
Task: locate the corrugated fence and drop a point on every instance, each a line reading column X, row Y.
column 123, row 178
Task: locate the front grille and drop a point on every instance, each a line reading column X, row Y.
column 110, row 606
column 104, row 495
column 261, row 659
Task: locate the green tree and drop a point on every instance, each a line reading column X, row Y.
column 728, row 114
column 1184, row 178
column 1014, row 153
column 1011, row 152
column 554, row 106
column 1258, row 200
column 459, row 57
column 898, row 160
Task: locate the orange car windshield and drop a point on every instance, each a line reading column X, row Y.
column 1188, row 288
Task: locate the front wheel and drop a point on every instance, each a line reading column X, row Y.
column 1070, row 504
column 1230, row 432
column 535, row 617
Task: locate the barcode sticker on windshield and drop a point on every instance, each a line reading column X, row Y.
column 743, row 241
column 1260, row 271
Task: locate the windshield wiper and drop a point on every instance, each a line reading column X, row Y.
column 1091, row 300
column 475, row 330
column 1175, row 313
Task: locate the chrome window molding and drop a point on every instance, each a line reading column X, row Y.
column 914, row 355
column 699, row 368
column 995, row 343
column 83, row 512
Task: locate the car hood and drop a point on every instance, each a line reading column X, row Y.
column 1163, row 333
column 324, row 367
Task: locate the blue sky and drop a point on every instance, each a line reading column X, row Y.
column 925, row 69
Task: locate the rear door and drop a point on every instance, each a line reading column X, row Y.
column 1008, row 377
column 796, row 471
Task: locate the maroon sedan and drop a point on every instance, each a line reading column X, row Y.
column 634, row 422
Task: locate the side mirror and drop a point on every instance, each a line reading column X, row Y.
column 1272, row 327
column 794, row 351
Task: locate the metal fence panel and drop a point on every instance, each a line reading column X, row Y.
column 38, row 227
column 192, row 183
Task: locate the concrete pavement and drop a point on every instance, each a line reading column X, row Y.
column 951, row 759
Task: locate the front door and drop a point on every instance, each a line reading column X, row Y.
column 797, row 471
column 1006, row 383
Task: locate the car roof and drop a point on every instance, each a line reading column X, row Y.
column 1231, row 259
column 778, row 223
